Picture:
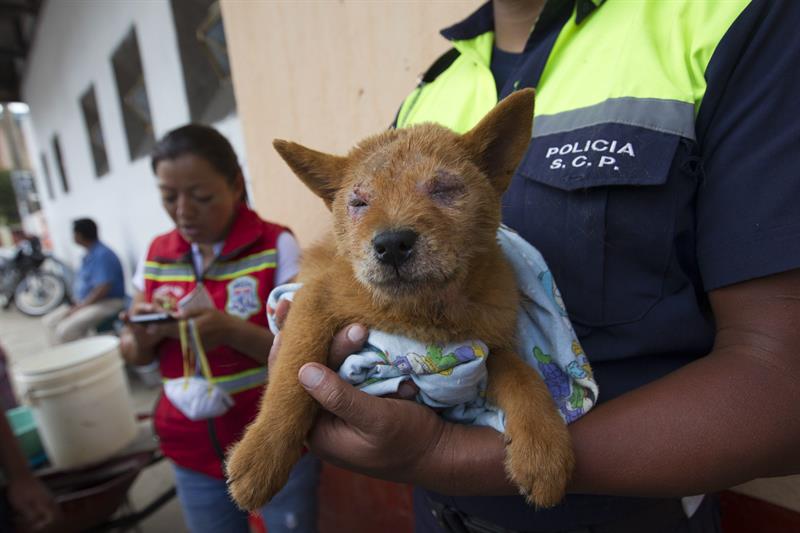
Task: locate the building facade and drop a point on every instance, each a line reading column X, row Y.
column 104, row 80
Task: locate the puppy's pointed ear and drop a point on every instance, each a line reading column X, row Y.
column 500, row 139
column 322, row 173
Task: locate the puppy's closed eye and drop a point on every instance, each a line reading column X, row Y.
column 445, row 188
column 357, row 203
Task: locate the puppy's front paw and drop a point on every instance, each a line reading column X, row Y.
column 539, row 461
column 257, row 468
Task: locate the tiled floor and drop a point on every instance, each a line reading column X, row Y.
column 22, row 336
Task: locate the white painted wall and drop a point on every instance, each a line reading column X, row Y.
column 72, row 50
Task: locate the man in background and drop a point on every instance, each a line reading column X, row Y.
column 99, row 289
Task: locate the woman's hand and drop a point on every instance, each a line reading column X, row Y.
column 215, row 327
column 149, row 334
column 32, row 501
column 138, row 342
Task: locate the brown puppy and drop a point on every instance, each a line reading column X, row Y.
column 413, row 253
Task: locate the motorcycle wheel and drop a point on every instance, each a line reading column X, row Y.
column 39, row 293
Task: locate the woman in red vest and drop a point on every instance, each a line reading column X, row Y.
column 213, row 272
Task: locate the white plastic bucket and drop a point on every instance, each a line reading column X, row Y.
column 80, row 400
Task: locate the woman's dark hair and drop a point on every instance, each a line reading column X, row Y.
column 86, row 228
column 202, row 141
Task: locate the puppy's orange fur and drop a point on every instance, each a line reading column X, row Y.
column 455, row 286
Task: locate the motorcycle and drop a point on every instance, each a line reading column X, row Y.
column 27, row 280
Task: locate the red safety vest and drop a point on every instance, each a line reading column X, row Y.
column 239, row 282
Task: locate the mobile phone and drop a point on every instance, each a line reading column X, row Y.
column 151, row 318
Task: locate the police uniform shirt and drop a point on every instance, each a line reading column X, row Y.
column 641, row 206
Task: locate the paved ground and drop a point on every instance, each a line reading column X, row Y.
column 22, row 336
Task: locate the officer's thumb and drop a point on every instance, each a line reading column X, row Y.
column 337, row 396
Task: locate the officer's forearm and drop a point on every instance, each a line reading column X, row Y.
column 724, row 419
column 720, row 421
column 467, row 462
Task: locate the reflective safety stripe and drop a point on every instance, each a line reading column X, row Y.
column 462, row 108
column 242, row 381
column 650, row 49
column 629, row 63
column 247, row 265
column 235, row 383
column 221, row 271
column 666, row 116
column 168, row 271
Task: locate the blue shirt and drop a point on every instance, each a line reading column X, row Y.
column 99, row 266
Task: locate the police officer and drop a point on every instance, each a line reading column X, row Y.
column 661, row 186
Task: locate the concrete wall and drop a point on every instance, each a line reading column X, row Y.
column 324, row 74
column 72, row 49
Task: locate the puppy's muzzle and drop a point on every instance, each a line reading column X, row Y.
column 394, row 247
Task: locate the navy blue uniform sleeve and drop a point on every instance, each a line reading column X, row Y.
column 748, row 127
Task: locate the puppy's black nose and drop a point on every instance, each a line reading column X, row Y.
column 394, row 247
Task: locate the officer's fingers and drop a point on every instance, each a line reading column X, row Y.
column 407, row 390
column 348, row 340
column 341, row 399
column 273, row 351
column 281, row 312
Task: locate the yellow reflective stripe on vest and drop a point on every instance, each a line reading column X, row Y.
column 240, row 382
column 221, row 271
column 661, row 48
column 247, row 265
column 461, row 95
column 664, row 46
column 168, row 271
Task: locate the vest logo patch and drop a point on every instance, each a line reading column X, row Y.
column 167, row 296
column 243, row 298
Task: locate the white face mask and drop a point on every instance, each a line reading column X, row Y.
column 197, row 397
